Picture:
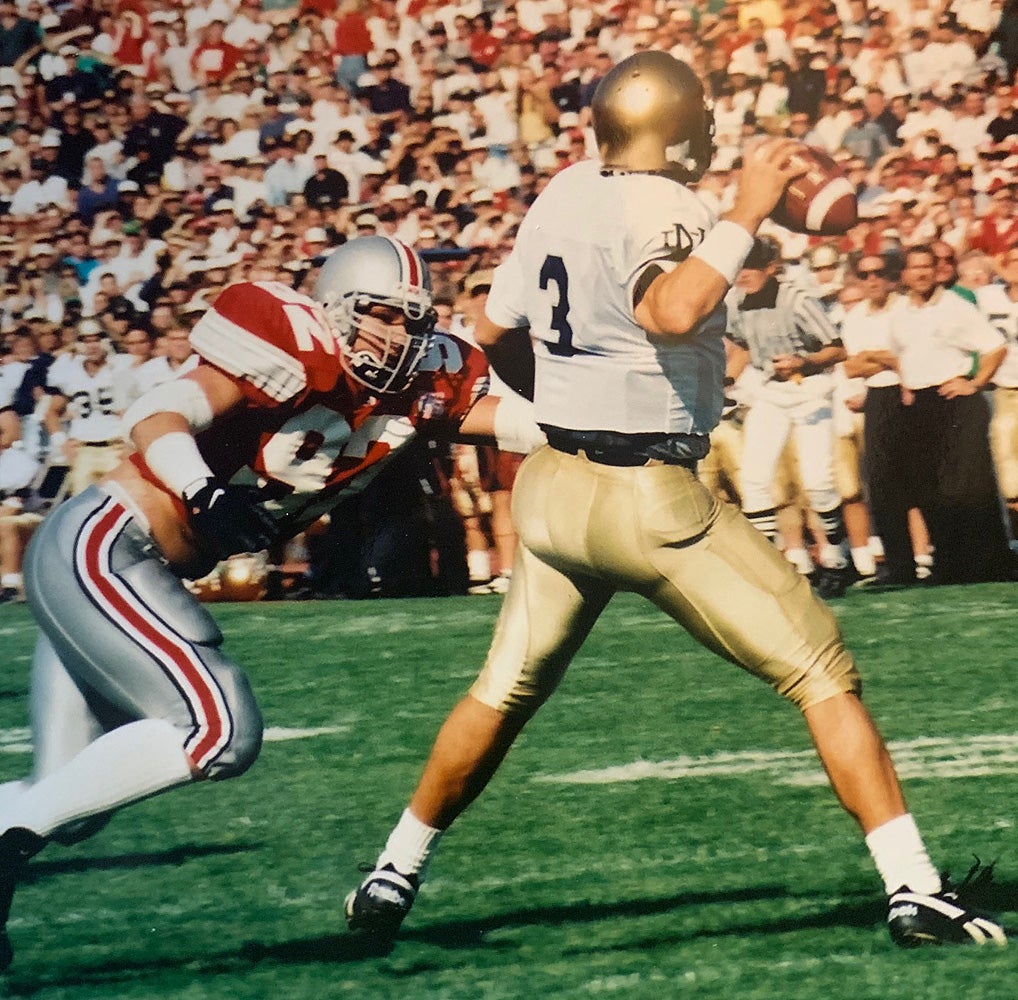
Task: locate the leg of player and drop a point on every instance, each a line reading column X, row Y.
column 123, row 766
column 805, row 660
column 528, row 656
column 119, row 630
column 468, row 750
column 921, row 909
column 815, row 440
column 765, row 434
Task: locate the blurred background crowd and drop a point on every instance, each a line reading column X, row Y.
column 153, row 151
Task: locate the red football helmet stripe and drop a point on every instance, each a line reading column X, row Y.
column 410, row 263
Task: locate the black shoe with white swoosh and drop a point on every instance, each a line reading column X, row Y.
column 381, row 902
column 915, row 919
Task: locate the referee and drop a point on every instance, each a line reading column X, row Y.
column 783, row 332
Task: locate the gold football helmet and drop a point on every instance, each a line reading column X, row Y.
column 650, row 117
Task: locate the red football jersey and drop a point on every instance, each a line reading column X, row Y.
column 310, row 431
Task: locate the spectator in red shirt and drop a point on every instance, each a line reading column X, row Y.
column 997, row 231
column 484, row 46
column 213, row 60
column 352, row 44
column 129, row 38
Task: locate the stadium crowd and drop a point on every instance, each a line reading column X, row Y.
column 153, row 152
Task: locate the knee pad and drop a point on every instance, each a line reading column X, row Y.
column 245, row 739
column 241, row 753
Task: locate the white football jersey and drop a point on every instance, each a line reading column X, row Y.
column 580, row 251
column 1002, row 311
column 93, row 400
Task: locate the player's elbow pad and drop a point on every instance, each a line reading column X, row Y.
column 515, row 427
column 181, row 395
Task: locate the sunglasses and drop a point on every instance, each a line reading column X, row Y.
column 877, row 272
column 947, row 259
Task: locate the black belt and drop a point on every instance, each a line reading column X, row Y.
column 630, row 450
column 98, row 444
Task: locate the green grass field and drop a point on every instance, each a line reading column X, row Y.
column 660, row 830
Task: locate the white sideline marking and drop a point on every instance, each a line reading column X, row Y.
column 280, row 734
column 20, row 740
column 926, row 757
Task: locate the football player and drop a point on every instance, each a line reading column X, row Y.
column 613, row 319
column 293, row 402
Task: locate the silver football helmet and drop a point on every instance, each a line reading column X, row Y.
column 368, row 272
column 650, row 116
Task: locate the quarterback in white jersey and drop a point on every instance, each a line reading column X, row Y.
column 294, row 401
column 612, row 293
column 573, row 276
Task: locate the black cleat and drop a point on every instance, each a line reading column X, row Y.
column 831, row 582
column 915, row 919
column 381, row 902
column 17, row 846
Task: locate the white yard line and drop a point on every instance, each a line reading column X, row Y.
column 20, row 740
column 926, row 757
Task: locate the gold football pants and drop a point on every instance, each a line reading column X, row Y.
column 588, row 530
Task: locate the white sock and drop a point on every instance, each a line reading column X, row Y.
column 800, row 559
column 876, row 546
column 479, row 565
column 12, row 580
column 864, row 561
column 900, row 855
column 122, row 766
column 831, row 557
column 410, row 846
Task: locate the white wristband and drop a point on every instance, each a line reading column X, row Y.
column 174, row 458
column 179, row 395
column 725, row 248
column 514, row 425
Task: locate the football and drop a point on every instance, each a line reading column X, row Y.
column 820, row 202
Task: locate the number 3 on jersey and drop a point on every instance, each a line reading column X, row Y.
column 553, row 271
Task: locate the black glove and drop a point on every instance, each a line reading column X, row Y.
column 229, row 519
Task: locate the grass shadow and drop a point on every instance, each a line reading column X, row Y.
column 335, row 949
column 175, row 856
column 868, row 910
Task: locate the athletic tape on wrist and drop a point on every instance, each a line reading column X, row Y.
column 175, row 459
column 514, row 425
column 725, row 248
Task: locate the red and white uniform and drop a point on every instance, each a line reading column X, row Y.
column 306, row 432
column 312, row 432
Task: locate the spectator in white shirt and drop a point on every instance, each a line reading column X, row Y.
column 42, row 189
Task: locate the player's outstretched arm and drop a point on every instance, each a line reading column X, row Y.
column 505, row 421
column 162, row 424
column 678, row 300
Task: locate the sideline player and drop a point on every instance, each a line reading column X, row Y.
column 614, row 316
column 294, row 401
column 999, row 304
